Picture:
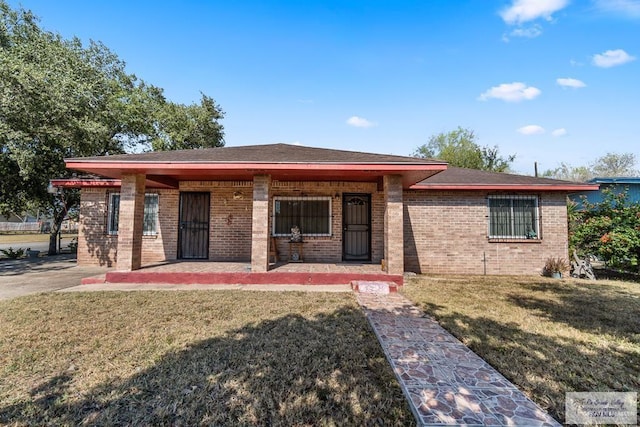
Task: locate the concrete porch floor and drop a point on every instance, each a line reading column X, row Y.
column 239, row 273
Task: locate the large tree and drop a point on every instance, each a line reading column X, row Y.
column 459, row 148
column 612, row 165
column 60, row 98
column 609, row 165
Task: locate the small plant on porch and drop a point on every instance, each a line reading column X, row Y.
column 554, row 267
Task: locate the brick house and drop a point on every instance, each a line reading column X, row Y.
column 235, row 203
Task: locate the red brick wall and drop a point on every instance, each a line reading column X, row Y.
column 95, row 246
column 446, row 233
column 230, row 222
column 130, row 222
column 329, row 248
column 164, row 245
column 229, row 218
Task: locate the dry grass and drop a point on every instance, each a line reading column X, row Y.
column 10, row 238
column 187, row 358
column 547, row 336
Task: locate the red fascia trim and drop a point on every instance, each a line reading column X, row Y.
column 510, row 187
column 84, row 183
column 257, row 167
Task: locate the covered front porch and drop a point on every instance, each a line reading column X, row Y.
column 239, row 273
column 237, row 204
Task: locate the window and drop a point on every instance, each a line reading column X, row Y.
column 150, row 214
column 513, row 217
column 114, row 213
column 311, row 214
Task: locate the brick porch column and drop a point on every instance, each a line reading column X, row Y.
column 393, row 224
column 260, row 224
column 130, row 222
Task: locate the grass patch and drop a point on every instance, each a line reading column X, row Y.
column 193, row 357
column 547, row 336
column 10, row 238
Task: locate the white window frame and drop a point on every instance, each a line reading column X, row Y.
column 277, row 199
column 511, row 198
column 111, row 209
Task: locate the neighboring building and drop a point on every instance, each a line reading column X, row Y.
column 618, row 184
column 231, row 203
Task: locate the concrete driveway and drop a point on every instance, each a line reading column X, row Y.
column 24, row 277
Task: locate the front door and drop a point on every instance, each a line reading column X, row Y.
column 193, row 235
column 356, row 227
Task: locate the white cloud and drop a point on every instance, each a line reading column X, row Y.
column 522, row 11
column 359, row 122
column 525, row 32
column 530, row 32
column 612, row 58
column 569, row 82
column 575, row 63
column 531, row 130
column 511, row 92
column 559, row 132
column 627, row 8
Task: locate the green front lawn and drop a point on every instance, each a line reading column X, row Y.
column 193, row 357
column 547, row 336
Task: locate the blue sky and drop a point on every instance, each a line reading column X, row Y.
column 548, row 80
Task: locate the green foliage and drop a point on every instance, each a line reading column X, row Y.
column 60, row 98
column 612, row 164
column 609, row 229
column 459, row 148
column 192, row 126
column 569, row 173
column 13, row 254
column 609, row 165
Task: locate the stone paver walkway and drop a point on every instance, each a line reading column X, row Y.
column 444, row 381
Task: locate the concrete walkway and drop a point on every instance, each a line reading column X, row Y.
column 444, row 381
column 45, row 274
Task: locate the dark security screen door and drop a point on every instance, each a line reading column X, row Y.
column 193, row 237
column 356, row 230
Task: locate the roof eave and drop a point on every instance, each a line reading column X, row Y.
column 104, row 183
column 128, row 165
column 507, row 187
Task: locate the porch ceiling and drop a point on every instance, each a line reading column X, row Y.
column 169, row 174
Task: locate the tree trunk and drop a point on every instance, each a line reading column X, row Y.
column 58, row 217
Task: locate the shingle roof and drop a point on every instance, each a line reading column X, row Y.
column 454, row 176
column 269, row 153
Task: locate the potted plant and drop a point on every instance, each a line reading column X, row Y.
column 554, row 267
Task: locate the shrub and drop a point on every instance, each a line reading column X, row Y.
column 609, row 230
column 555, row 265
column 13, row 254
